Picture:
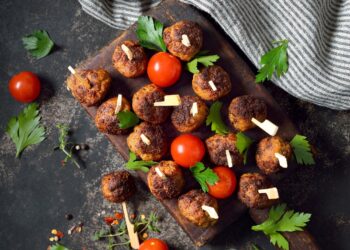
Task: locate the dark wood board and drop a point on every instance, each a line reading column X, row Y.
column 243, row 82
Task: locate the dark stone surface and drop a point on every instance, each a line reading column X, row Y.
column 36, row 192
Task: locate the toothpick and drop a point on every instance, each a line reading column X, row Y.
column 282, row 160
column 212, row 85
column 70, row 68
column 127, row 51
column 229, row 158
column 185, row 40
column 272, row 193
column 194, row 109
column 145, row 140
column 160, row 173
column 169, row 100
column 211, row 211
column 134, row 239
column 119, row 104
column 267, row 126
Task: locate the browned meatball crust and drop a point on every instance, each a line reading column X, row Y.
column 182, row 118
column 130, row 68
column 220, row 78
column 172, row 37
column 243, row 108
column 143, row 104
column 118, row 186
column 89, row 87
column 169, row 186
column 217, row 146
column 249, row 184
column 106, row 120
column 190, row 206
column 158, row 142
column 265, row 155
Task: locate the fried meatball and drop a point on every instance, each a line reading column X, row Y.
column 170, row 185
column 106, row 120
column 182, row 118
column 190, row 206
column 89, row 87
column 118, row 186
column 130, row 65
column 143, row 104
column 243, row 108
column 249, row 184
column 265, row 154
column 217, row 146
column 216, row 74
column 158, row 144
column 176, row 40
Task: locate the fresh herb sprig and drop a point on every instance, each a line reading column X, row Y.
column 214, row 118
column 38, row 44
column 135, row 165
column 279, row 221
column 204, row 176
column 65, row 146
column 150, row 33
column 243, row 143
column 202, row 58
column 127, row 119
column 58, row 247
column 275, row 59
column 302, row 150
column 25, row 129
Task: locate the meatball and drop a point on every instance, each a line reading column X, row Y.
column 118, row 186
column 220, row 80
column 143, row 104
column 243, row 108
column 249, row 184
column 89, row 87
column 265, row 155
column 158, row 144
column 182, row 118
column 190, row 206
column 217, row 146
column 183, row 39
column 168, row 186
column 106, row 120
column 131, row 63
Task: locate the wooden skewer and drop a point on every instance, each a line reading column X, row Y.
column 229, row 158
column 72, row 70
column 134, row 239
column 282, row 160
column 160, row 173
column 267, row 126
column 272, row 193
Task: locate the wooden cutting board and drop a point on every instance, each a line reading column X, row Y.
column 243, row 82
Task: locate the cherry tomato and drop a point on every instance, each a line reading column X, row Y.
column 226, row 184
column 187, row 150
column 164, row 69
column 24, row 87
column 153, row 244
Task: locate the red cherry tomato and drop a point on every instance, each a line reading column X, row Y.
column 164, row 69
column 24, row 87
column 187, row 150
column 154, row 244
column 226, row 185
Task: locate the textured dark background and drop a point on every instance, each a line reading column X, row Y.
column 36, row 192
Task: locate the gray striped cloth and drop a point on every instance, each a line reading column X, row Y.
column 318, row 32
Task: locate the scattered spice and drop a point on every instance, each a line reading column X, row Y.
column 68, row 216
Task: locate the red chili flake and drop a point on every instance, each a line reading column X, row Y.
column 119, row 216
column 132, row 216
column 108, row 220
column 59, row 234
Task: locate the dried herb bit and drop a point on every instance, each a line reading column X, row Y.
column 150, row 33
column 214, row 118
column 254, row 247
column 204, row 176
column 202, row 58
column 58, row 247
column 135, row 165
column 25, row 129
column 281, row 220
column 275, row 59
column 302, row 150
column 65, row 146
column 38, row 43
column 127, row 119
column 243, row 143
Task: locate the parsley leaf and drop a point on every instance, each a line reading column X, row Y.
column 38, row 43
column 150, row 33
column 281, row 220
column 242, row 144
column 302, row 150
column 127, row 119
column 214, row 118
column 58, row 247
column 275, row 59
column 135, row 165
column 206, row 60
column 204, row 176
column 25, row 130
